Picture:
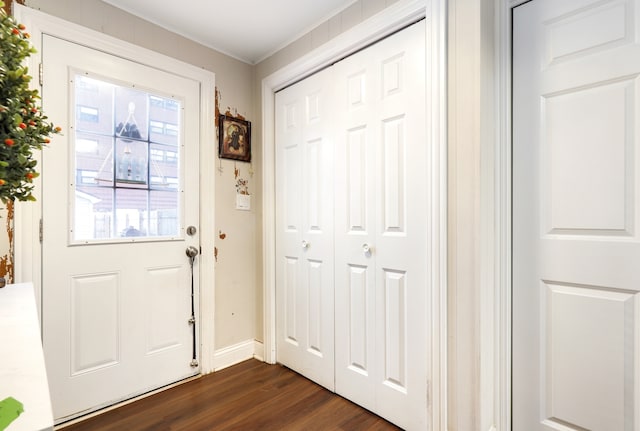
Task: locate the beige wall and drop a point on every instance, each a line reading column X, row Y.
column 236, row 269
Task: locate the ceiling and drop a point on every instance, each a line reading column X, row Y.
column 249, row 30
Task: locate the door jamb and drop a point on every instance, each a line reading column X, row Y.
column 500, row 202
column 384, row 23
column 27, row 216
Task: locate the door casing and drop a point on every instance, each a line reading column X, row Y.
column 27, row 216
column 388, row 21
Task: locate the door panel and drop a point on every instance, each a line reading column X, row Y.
column 95, row 332
column 381, row 157
column 116, row 280
column 575, row 194
column 304, row 220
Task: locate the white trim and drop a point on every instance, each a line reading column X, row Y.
column 502, row 222
column 258, row 350
column 236, row 353
column 28, row 249
column 436, row 103
column 389, row 20
column 500, row 260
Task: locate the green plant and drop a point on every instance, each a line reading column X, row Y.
column 23, row 126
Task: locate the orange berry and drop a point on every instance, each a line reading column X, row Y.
column 9, row 142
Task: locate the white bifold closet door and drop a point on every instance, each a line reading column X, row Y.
column 304, row 241
column 352, row 223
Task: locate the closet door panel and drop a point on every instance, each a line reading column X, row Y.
column 355, row 188
column 304, row 219
column 389, row 114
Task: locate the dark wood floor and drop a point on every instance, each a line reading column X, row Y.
column 248, row 396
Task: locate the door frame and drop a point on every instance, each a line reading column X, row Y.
column 499, row 200
column 28, row 249
column 391, row 19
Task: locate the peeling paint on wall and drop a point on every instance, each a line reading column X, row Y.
column 7, row 5
column 242, row 187
column 232, row 190
column 218, row 96
column 6, row 261
column 234, row 114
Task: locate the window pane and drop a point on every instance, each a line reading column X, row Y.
column 164, row 166
column 131, row 212
column 164, row 120
column 127, row 176
column 163, row 208
column 94, row 105
column 131, row 113
column 94, row 153
column 131, row 162
column 93, row 213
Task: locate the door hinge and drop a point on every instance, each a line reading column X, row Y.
column 40, row 229
column 41, row 74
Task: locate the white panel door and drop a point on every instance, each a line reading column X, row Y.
column 576, row 218
column 381, row 264
column 365, row 116
column 304, row 220
column 119, row 188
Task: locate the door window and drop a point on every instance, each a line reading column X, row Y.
column 127, row 163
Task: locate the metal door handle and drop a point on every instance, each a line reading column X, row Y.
column 305, row 244
column 366, row 248
column 192, row 251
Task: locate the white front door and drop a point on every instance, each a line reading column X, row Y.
column 576, row 216
column 120, row 188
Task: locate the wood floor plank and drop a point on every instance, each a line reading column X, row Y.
column 248, row 396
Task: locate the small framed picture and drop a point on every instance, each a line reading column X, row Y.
column 234, row 136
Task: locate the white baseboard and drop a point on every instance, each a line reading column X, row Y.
column 258, row 350
column 237, row 353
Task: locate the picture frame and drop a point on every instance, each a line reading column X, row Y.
column 234, row 138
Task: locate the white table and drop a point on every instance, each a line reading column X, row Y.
column 22, row 371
